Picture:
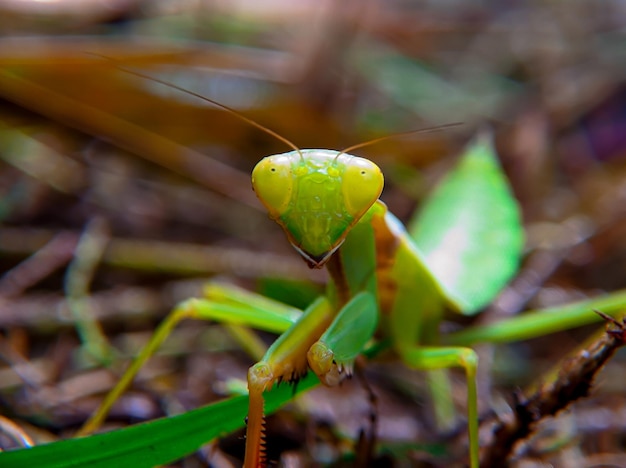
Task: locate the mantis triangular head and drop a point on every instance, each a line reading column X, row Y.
column 317, row 196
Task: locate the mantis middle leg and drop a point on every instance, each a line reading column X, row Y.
column 225, row 304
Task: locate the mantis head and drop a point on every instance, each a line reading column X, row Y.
column 317, row 196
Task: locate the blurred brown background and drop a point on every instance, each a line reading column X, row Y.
column 120, row 196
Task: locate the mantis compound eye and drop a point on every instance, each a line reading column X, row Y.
column 272, row 181
column 362, row 184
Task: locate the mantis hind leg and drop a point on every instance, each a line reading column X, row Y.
column 431, row 358
column 226, row 304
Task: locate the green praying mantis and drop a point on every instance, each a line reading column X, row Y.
column 327, row 202
column 388, row 285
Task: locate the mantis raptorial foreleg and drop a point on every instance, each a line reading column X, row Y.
column 326, row 341
column 284, row 360
column 332, row 356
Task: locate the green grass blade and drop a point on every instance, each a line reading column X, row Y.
column 469, row 229
column 153, row 443
column 535, row 323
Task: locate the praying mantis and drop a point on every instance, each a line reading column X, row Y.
column 387, row 284
column 327, row 203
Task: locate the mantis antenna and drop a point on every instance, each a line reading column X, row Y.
column 396, row 135
column 204, row 98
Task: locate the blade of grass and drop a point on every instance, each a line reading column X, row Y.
column 152, row 443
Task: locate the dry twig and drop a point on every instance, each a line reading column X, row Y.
column 574, row 381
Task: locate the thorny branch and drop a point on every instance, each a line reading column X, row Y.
column 574, row 381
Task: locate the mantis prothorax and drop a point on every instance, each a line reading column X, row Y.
column 382, row 277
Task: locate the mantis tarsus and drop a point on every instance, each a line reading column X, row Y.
column 382, row 278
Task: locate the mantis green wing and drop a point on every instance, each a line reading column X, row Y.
column 469, row 229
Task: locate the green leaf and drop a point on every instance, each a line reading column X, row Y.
column 469, row 229
column 152, row 443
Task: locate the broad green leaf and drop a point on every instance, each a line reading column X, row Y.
column 469, row 229
column 152, row 443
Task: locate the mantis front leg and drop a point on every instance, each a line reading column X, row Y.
column 285, row 360
column 323, row 340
